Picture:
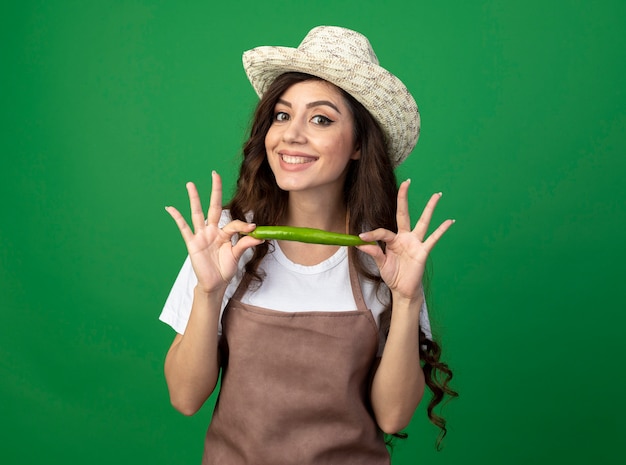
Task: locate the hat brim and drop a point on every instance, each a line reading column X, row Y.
column 379, row 91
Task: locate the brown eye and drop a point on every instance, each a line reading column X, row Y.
column 281, row 116
column 321, row 120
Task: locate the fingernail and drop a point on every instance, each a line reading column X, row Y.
column 440, row 194
column 408, row 180
column 453, row 221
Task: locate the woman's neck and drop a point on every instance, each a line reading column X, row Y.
column 309, row 212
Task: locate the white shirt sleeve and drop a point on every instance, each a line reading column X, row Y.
column 425, row 321
column 383, row 299
column 177, row 306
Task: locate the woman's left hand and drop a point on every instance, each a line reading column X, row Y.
column 403, row 262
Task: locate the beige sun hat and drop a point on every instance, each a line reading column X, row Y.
column 345, row 58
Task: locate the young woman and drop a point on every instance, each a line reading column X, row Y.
column 321, row 348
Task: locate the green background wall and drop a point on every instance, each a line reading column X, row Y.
column 108, row 108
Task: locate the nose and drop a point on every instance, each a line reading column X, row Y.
column 294, row 132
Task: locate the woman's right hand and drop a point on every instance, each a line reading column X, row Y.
column 213, row 256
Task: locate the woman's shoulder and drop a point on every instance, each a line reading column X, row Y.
column 227, row 217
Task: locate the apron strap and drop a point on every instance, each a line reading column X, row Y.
column 354, row 276
column 241, row 289
column 356, row 285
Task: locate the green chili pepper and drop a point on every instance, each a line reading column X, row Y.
column 308, row 235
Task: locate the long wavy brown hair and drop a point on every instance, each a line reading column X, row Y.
column 370, row 177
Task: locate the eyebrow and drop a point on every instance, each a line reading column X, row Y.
column 316, row 103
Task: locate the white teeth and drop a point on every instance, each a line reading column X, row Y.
column 293, row 160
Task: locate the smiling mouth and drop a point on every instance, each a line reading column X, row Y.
column 296, row 160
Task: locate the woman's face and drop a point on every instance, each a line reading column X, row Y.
column 311, row 139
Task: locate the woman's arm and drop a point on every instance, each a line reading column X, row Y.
column 398, row 384
column 192, row 362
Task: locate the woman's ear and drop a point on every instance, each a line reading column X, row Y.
column 357, row 153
